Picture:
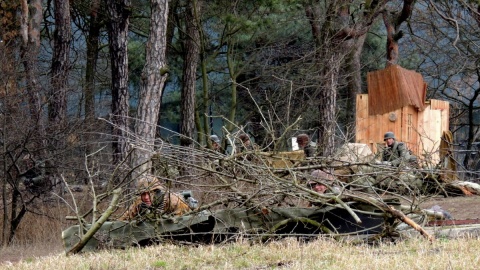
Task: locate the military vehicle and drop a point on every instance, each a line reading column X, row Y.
column 359, row 221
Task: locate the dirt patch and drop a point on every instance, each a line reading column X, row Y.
column 465, row 207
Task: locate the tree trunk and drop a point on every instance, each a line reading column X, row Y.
column 354, row 85
column 392, row 42
column 91, row 65
column 202, row 112
column 16, row 217
column 233, row 86
column 9, row 32
column 119, row 12
column 60, row 64
column 328, row 60
column 469, row 160
column 327, row 104
column 190, row 61
column 30, row 32
column 153, row 79
column 32, row 17
column 5, row 212
column 392, row 23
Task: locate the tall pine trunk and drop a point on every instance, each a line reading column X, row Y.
column 153, row 79
column 190, row 62
column 119, row 12
column 62, row 37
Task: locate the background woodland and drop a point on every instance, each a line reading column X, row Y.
column 94, row 89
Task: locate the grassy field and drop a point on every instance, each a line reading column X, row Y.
column 38, row 246
column 285, row 254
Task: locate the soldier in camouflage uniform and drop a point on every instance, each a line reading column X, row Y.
column 155, row 200
column 397, row 154
column 245, row 144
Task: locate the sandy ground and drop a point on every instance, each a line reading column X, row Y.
column 458, row 207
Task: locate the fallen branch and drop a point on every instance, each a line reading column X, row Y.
column 401, row 216
column 96, row 226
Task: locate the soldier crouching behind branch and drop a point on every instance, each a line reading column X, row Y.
column 397, row 154
column 318, row 183
column 216, row 143
column 155, row 200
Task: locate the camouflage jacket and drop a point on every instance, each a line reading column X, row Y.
column 169, row 203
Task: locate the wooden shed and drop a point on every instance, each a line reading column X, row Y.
column 396, row 102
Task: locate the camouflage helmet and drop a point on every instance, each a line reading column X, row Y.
column 389, row 135
column 149, row 183
column 320, row 175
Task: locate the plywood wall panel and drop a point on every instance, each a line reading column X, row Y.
column 421, row 130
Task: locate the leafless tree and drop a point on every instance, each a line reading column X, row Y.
column 30, row 32
column 92, row 40
column 442, row 48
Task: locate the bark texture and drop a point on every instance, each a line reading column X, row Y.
column 153, row 79
column 60, row 64
column 190, row 62
column 119, row 12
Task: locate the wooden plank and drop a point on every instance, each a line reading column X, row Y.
column 439, row 104
column 362, row 119
column 430, row 135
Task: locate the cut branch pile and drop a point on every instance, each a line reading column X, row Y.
column 262, row 182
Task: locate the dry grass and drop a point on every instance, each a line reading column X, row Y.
column 39, row 232
column 286, row 254
column 40, row 225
